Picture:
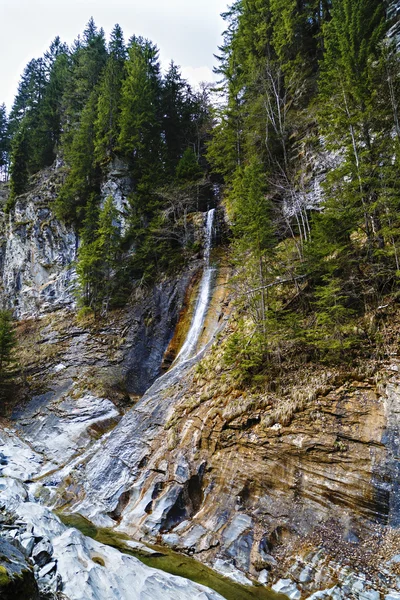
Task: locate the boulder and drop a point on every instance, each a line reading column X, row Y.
column 42, row 553
column 16, row 575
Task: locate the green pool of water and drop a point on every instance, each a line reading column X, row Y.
column 173, row 562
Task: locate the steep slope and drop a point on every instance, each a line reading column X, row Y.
column 204, row 471
column 296, row 485
column 75, row 370
column 254, row 484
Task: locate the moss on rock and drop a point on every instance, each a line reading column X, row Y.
column 17, row 581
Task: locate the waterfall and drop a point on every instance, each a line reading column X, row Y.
column 189, row 347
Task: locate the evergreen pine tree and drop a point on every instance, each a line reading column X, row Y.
column 98, row 260
column 188, row 169
column 253, row 228
column 19, row 172
column 139, row 139
column 30, row 92
column 178, row 109
column 47, row 130
column 225, row 149
column 4, row 141
column 107, row 122
column 83, row 177
column 87, row 61
column 348, row 122
column 56, row 49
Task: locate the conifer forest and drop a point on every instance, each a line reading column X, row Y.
column 300, row 137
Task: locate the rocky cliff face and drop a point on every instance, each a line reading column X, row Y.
column 37, row 252
column 118, row 185
column 258, row 486
column 69, row 565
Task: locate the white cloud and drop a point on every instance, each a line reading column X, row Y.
column 196, row 75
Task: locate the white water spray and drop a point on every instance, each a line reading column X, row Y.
column 189, row 347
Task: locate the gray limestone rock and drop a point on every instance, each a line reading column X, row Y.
column 37, row 255
column 227, row 569
column 118, row 185
column 369, row 595
column 65, row 559
column 80, row 563
column 62, row 426
column 323, row 594
column 42, row 553
column 240, row 523
column 27, row 541
column 263, row 577
column 306, row 575
column 287, row 587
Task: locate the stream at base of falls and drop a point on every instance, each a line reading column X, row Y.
column 173, row 562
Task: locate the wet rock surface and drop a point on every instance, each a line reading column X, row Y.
column 153, row 321
column 65, row 424
column 246, row 500
column 71, row 566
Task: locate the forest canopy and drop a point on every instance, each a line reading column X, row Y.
column 303, row 144
column 307, row 145
column 101, row 105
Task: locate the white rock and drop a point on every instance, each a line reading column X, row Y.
column 240, row 523
column 263, row 577
column 306, row 575
column 42, row 553
column 369, row 595
column 47, row 569
column 322, row 594
column 171, row 539
column 28, row 543
column 193, row 536
column 13, row 533
column 358, row 586
column 287, row 587
column 60, row 434
column 12, row 493
column 140, row 547
column 22, row 462
column 37, row 259
column 225, row 568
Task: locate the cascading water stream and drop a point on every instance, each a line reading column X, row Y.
column 111, row 469
column 189, row 347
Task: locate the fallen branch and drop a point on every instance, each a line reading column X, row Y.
column 269, row 285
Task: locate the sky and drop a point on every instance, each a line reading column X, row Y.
column 186, row 31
